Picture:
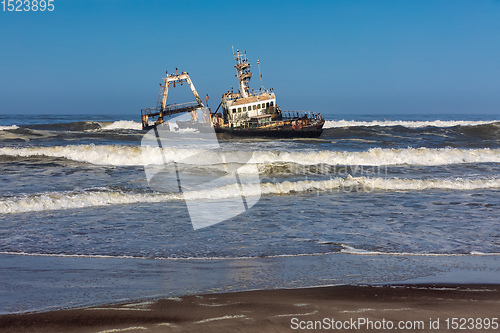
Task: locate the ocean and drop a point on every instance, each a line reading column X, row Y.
column 374, row 200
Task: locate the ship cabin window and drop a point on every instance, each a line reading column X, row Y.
column 244, row 109
column 234, row 110
column 258, row 106
column 272, row 103
column 239, row 109
column 263, row 105
column 254, row 107
column 267, row 104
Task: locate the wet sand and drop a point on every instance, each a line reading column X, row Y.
column 278, row 311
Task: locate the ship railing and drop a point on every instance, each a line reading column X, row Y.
column 150, row 112
column 171, row 109
column 268, row 124
column 301, row 114
column 260, row 91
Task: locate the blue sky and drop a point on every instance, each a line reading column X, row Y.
column 368, row 57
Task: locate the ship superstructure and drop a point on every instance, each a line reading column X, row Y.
column 238, row 108
column 152, row 117
column 255, row 113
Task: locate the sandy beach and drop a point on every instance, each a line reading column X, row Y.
column 422, row 308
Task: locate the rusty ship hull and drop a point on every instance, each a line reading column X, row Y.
column 275, row 133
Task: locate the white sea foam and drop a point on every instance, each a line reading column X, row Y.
column 186, row 130
column 219, row 318
column 134, row 125
column 409, row 124
column 123, row 124
column 133, row 156
column 99, row 155
column 380, row 156
column 352, row 250
column 12, row 127
column 369, row 184
column 117, row 330
column 72, row 200
column 347, row 250
column 98, row 256
column 358, row 310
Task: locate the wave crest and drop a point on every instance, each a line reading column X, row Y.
column 5, row 128
column 408, row 124
column 123, row 124
column 136, row 156
column 96, row 198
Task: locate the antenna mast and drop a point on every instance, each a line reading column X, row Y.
column 244, row 74
column 260, row 75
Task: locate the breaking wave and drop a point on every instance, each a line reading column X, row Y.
column 380, row 156
column 99, row 155
column 72, row 200
column 122, row 124
column 136, row 156
column 12, row 127
column 409, row 124
column 95, row 198
column 350, row 183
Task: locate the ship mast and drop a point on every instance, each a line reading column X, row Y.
column 243, row 69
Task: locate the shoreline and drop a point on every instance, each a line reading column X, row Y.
column 275, row 310
column 52, row 283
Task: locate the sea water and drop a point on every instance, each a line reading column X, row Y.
column 375, row 199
